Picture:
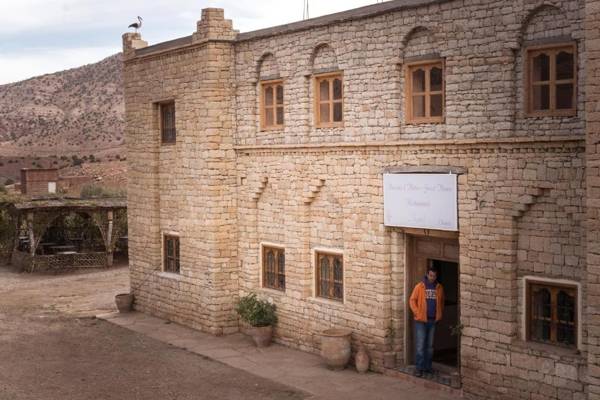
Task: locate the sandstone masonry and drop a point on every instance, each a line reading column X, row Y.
column 528, row 187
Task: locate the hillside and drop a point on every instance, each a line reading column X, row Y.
column 77, row 111
column 62, row 119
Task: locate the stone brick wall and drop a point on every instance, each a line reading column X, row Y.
column 187, row 188
column 592, row 42
column 227, row 187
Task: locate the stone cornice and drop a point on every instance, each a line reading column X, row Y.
column 451, row 146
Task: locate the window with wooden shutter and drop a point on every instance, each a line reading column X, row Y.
column 167, row 123
column 425, row 92
column 171, row 254
column 330, row 276
column 273, row 260
column 271, row 105
column 329, row 100
column 552, row 313
column 551, row 80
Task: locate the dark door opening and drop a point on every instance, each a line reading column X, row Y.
column 446, row 341
column 443, row 253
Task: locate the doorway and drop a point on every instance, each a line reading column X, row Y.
column 443, row 254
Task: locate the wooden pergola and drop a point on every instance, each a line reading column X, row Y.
column 34, row 217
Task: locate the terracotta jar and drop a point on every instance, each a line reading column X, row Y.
column 361, row 359
column 335, row 347
column 262, row 335
column 124, row 302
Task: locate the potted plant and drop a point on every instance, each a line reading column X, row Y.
column 260, row 315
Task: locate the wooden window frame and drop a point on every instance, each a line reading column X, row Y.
column 164, row 140
column 551, row 49
column 176, row 257
column 278, row 250
column 554, row 287
column 317, row 99
column 428, row 64
column 263, row 120
column 330, row 295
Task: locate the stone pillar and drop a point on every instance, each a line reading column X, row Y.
column 592, row 115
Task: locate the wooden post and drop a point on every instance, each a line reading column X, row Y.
column 109, row 248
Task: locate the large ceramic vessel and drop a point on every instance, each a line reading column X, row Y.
column 335, row 347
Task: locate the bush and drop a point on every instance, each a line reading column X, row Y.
column 92, row 191
column 256, row 312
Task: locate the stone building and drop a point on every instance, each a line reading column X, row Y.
column 257, row 163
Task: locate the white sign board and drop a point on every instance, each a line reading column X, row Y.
column 425, row 201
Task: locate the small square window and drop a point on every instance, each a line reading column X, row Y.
column 330, row 276
column 271, row 105
column 171, row 254
column 273, row 266
column 329, row 100
column 425, row 92
column 167, row 123
column 552, row 313
column 551, row 87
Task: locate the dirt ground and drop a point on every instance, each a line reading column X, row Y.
column 51, row 348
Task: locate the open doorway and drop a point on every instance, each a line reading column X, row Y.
column 443, row 254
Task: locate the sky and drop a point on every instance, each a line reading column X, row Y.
column 45, row 36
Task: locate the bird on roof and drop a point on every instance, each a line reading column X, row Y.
column 137, row 25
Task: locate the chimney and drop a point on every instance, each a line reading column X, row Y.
column 131, row 42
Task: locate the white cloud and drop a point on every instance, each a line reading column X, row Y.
column 84, row 31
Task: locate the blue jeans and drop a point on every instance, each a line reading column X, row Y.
column 424, row 332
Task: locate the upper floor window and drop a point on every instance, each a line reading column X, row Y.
column 425, row 92
column 551, row 87
column 330, row 276
column 552, row 313
column 167, row 122
column 273, row 260
column 271, row 105
column 329, row 100
column 171, row 253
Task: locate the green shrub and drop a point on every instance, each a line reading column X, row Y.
column 92, row 191
column 256, row 312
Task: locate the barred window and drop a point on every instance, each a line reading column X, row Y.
column 273, row 260
column 552, row 313
column 330, row 276
column 171, row 254
column 552, row 85
column 167, row 123
column 425, row 92
column 271, row 112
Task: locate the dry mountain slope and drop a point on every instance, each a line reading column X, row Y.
column 77, row 111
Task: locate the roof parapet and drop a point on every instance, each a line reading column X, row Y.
column 214, row 26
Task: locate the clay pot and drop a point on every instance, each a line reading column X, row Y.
column 124, row 302
column 335, row 348
column 261, row 335
column 361, row 360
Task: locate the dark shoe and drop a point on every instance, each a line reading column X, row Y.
column 429, row 373
column 418, row 373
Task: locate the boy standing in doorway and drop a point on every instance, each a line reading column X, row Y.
column 427, row 305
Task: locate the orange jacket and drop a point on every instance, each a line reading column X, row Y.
column 418, row 303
